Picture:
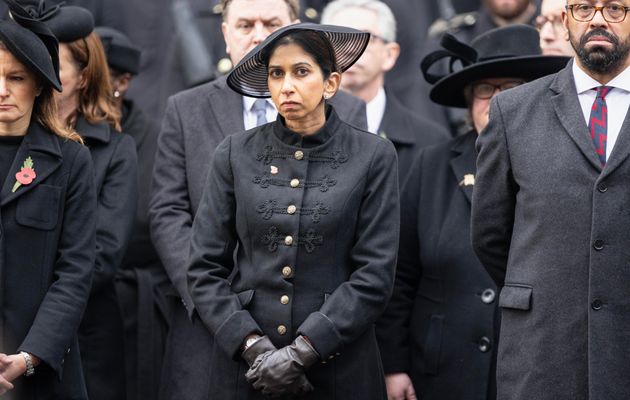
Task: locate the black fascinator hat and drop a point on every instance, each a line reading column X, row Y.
column 32, row 43
column 249, row 77
column 121, row 54
column 67, row 23
column 507, row 52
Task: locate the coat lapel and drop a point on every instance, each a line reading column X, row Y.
column 463, row 163
column 569, row 113
column 223, row 103
column 44, row 150
column 391, row 126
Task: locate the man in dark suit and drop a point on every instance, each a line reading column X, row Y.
column 550, row 217
column 196, row 121
column 386, row 116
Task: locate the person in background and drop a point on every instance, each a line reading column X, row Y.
column 554, row 39
column 48, row 218
column 196, row 121
column 86, row 104
column 386, row 116
column 294, row 243
column 438, row 334
column 550, row 217
column 141, row 282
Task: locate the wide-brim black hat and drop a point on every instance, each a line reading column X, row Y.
column 507, row 52
column 249, row 77
column 121, row 54
column 69, row 23
column 32, row 43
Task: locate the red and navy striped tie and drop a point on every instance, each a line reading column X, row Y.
column 598, row 122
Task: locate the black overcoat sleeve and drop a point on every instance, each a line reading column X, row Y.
column 170, row 209
column 211, row 262
column 116, row 208
column 356, row 304
column 392, row 329
column 57, row 320
column 494, row 198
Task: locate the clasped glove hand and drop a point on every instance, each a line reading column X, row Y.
column 280, row 373
column 261, row 346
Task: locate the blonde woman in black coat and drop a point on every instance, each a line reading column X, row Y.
column 47, row 222
column 310, row 204
column 437, row 336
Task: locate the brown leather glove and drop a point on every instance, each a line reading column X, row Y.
column 261, row 346
column 280, row 373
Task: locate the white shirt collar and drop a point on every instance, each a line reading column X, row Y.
column 584, row 82
column 248, row 103
column 375, row 110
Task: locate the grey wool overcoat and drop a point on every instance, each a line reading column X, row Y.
column 314, row 221
column 551, row 227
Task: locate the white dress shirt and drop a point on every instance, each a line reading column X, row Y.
column 250, row 117
column 617, row 101
column 375, row 109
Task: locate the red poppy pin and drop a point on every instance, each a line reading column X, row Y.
column 26, row 174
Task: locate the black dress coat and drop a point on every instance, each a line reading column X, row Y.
column 196, row 121
column 141, row 282
column 439, row 325
column 316, row 221
column 408, row 131
column 101, row 331
column 46, row 262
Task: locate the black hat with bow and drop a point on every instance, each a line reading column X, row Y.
column 507, row 52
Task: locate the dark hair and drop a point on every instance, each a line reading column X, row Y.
column 314, row 43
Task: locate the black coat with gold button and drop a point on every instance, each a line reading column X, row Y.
column 314, row 221
column 439, row 326
column 47, row 238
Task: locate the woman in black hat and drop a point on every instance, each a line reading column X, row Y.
column 438, row 334
column 47, row 221
column 86, row 104
column 141, row 282
column 310, row 205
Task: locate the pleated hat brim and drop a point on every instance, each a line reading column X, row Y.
column 249, row 77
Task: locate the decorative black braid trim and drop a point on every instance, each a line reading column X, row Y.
column 265, row 180
column 310, row 240
column 335, row 159
column 270, row 207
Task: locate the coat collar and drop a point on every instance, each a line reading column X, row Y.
column 224, row 103
column 100, row 131
column 392, row 117
column 43, row 148
column 463, row 162
column 320, row 137
column 569, row 113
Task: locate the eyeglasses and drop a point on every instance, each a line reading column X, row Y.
column 585, row 12
column 554, row 20
column 374, row 37
column 484, row 90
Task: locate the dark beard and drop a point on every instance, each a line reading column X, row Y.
column 600, row 59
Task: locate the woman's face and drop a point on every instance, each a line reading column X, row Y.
column 297, row 84
column 482, row 92
column 18, row 90
column 71, row 79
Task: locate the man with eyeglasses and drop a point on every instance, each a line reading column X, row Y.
column 550, row 217
column 386, row 115
column 553, row 37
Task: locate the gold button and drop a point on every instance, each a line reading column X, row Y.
column 295, row 183
column 282, row 329
column 224, row 65
column 286, row 271
column 288, row 240
column 311, row 13
column 284, row 299
column 291, row 209
column 299, row 155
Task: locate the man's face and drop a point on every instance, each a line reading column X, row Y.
column 249, row 22
column 553, row 36
column 507, row 9
column 602, row 47
column 378, row 57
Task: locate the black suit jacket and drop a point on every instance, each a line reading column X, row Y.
column 439, row 325
column 46, row 262
column 408, row 131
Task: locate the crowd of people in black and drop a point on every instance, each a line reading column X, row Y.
column 293, row 199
